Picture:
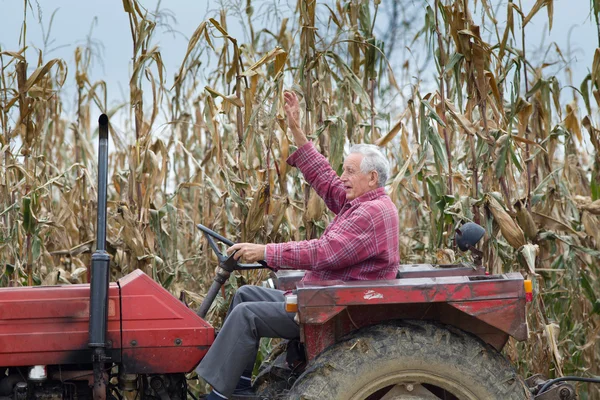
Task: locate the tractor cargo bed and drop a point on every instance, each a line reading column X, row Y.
column 489, row 306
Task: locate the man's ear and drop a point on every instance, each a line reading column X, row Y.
column 373, row 178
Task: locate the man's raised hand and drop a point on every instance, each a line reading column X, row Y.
column 292, row 112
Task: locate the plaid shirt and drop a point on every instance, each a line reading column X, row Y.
column 360, row 244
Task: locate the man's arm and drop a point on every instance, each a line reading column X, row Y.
column 354, row 240
column 320, row 176
column 315, row 168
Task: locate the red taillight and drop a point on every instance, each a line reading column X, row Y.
column 529, row 297
column 528, row 290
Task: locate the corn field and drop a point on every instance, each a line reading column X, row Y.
column 493, row 142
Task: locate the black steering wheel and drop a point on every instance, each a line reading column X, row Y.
column 224, row 260
column 227, row 265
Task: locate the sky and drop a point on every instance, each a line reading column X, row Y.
column 109, row 25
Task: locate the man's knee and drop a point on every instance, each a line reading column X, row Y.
column 241, row 314
column 246, row 292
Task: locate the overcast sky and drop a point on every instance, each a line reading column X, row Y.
column 74, row 18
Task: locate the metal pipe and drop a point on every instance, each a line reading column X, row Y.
column 219, row 280
column 102, row 182
column 100, row 271
column 99, row 299
column 566, row 379
column 100, row 259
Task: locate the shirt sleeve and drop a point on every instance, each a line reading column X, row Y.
column 319, row 174
column 352, row 242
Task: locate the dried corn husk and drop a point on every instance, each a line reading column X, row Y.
column 552, row 332
column 529, row 252
column 315, row 207
column 526, row 222
column 591, row 225
column 593, row 208
column 510, row 230
column 254, row 221
column 445, row 256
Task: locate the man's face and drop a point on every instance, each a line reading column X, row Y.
column 356, row 182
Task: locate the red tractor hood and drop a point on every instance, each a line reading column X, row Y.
column 149, row 330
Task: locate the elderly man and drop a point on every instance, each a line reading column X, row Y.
column 360, row 244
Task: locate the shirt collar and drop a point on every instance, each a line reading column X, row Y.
column 370, row 195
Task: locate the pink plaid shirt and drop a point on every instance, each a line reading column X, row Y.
column 360, row 244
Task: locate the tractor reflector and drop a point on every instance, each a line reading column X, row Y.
column 528, row 290
column 291, row 303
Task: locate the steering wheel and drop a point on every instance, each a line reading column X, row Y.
column 227, row 265
column 227, row 261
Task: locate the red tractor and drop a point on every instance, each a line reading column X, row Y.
column 436, row 332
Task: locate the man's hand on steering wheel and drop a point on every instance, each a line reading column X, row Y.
column 250, row 252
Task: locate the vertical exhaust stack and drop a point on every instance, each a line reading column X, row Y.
column 100, row 271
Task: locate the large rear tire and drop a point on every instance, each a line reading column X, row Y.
column 409, row 357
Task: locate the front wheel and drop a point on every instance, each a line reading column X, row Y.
column 410, row 360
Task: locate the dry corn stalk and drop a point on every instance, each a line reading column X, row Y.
column 215, row 158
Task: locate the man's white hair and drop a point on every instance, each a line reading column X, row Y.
column 373, row 160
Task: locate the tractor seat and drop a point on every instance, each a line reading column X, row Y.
column 431, row 270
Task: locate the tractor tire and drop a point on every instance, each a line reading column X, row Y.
column 401, row 355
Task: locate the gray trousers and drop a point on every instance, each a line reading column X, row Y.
column 255, row 312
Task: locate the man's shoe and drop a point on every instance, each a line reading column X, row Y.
column 246, row 394
column 208, row 396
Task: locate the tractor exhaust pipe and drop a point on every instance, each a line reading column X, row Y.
column 100, row 271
